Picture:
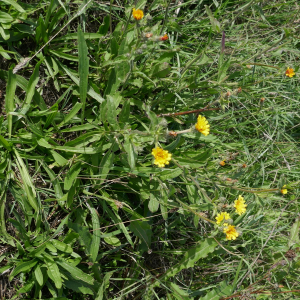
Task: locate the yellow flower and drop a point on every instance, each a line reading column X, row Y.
column 137, row 14
column 290, row 72
column 222, row 163
column 231, row 233
column 202, row 125
column 162, row 157
column 222, row 216
column 240, row 205
column 284, row 190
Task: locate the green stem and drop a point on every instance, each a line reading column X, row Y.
column 166, row 17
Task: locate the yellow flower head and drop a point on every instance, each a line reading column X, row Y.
column 222, row 163
column 222, row 216
column 290, row 72
column 240, row 205
column 202, row 125
column 284, row 190
column 231, row 233
column 137, row 14
column 161, row 157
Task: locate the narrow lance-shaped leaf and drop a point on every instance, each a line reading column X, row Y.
column 9, row 99
column 22, row 267
column 90, row 91
column 71, row 114
column 83, row 70
column 294, row 233
column 131, row 153
column 3, row 231
column 105, row 165
column 28, row 185
column 72, row 175
column 55, row 181
column 191, row 257
column 104, row 285
column 214, row 22
column 76, row 272
column 31, row 89
column 54, row 273
column 95, row 244
column 15, row 5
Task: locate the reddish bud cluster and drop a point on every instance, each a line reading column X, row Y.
column 164, row 38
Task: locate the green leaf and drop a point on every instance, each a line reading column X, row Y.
column 221, row 291
column 60, row 160
column 122, row 69
column 26, row 288
column 27, row 182
column 64, row 55
column 54, row 180
column 90, row 91
column 39, row 275
column 5, row 143
column 22, row 267
column 71, row 114
column 223, row 69
column 294, row 233
column 50, row 247
column 86, row 150
column 76, row 272
column 124, row 114
column 214, row 22
column 191, row 257
column 83, row 70
column 104, row 285
column 4, row 32
column 116, row 218
column 105, row 165
column 160, row 70
column 103, row 29
column 5, row 18
column 169, row 174
column 142, row 230
column 164, row 200
column 34, row 78
column 111, row 114
column 112, row 240
column 153, row 204
column 112, row 84
column 74, row 36
column 54, row 273
column 78, row 286
column 175, row 144
column 9, row 99
column 79, row 128
column 178, row 293
column 131, row 154
column 15, row 5
column 72, row 175
column 23, row 84
column 61, row 246
column 114, row 47
column 95, row 244
column 36, row 252
column 84, row 234
column 154, row 197
column 4, row 53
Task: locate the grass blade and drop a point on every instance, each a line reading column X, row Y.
column 9, row 99
column 83, row 70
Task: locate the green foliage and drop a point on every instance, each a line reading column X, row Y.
column 87, row 211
